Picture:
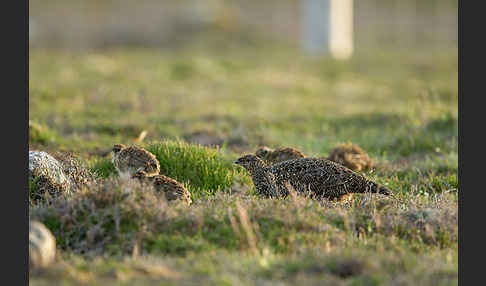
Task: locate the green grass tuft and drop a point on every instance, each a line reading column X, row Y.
column 39, row 134
column 204, row 169
column 103, row 168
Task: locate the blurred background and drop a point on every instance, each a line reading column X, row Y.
column 308, row 73
column 104, row 23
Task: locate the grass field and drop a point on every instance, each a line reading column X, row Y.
column 401, row 107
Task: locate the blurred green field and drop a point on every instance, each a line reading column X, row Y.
column 400, row 106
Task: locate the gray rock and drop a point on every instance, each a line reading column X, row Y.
column 42, row 246
column 48, row 174
column 75, row 171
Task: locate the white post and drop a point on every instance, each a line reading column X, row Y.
column 341, row 43
column 327, row 27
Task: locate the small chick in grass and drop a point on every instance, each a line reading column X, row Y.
column 172, row 189
column 130, row 160
column 271, row 156
column 318, row 178
column 351, row 156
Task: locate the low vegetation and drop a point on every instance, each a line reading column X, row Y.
column 401, row 108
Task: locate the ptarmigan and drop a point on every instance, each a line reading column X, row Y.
column 319, row 178
column 130, row 160
column 348, row 154
column 351, row 156
column 171, row 188
column 271, row 156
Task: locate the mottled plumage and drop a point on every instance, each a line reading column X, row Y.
column 318, row 178
column 171, row 188
column 130, row 160
column 271, row 156
column 351, row 156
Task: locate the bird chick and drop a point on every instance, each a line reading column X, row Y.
column 351, row 156
column 318, row 178
column 271, row 156
column 348, row 154
column 172, row 189
column 130, row 160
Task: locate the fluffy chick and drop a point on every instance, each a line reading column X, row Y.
column 347, row 154
column 271, row 156
column 172, row 189
column 351, row 156
column 130, row 160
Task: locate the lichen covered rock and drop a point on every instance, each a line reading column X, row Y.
column 72, row 167
column 51, row 176
column 47, row 176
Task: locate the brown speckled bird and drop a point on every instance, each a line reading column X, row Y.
column 271, row 156
column 171, row 188
column 130, row 160
column 347, row 154
column 318, row 178
column 351, row 156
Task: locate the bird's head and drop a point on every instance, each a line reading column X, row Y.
column 263, row 152
column 117, row 148
column 115, row 151
column 250, row 162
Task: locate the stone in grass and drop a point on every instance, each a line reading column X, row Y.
column 42, row 246
column 77, row 173
column 61, row 173
column 47, row 176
